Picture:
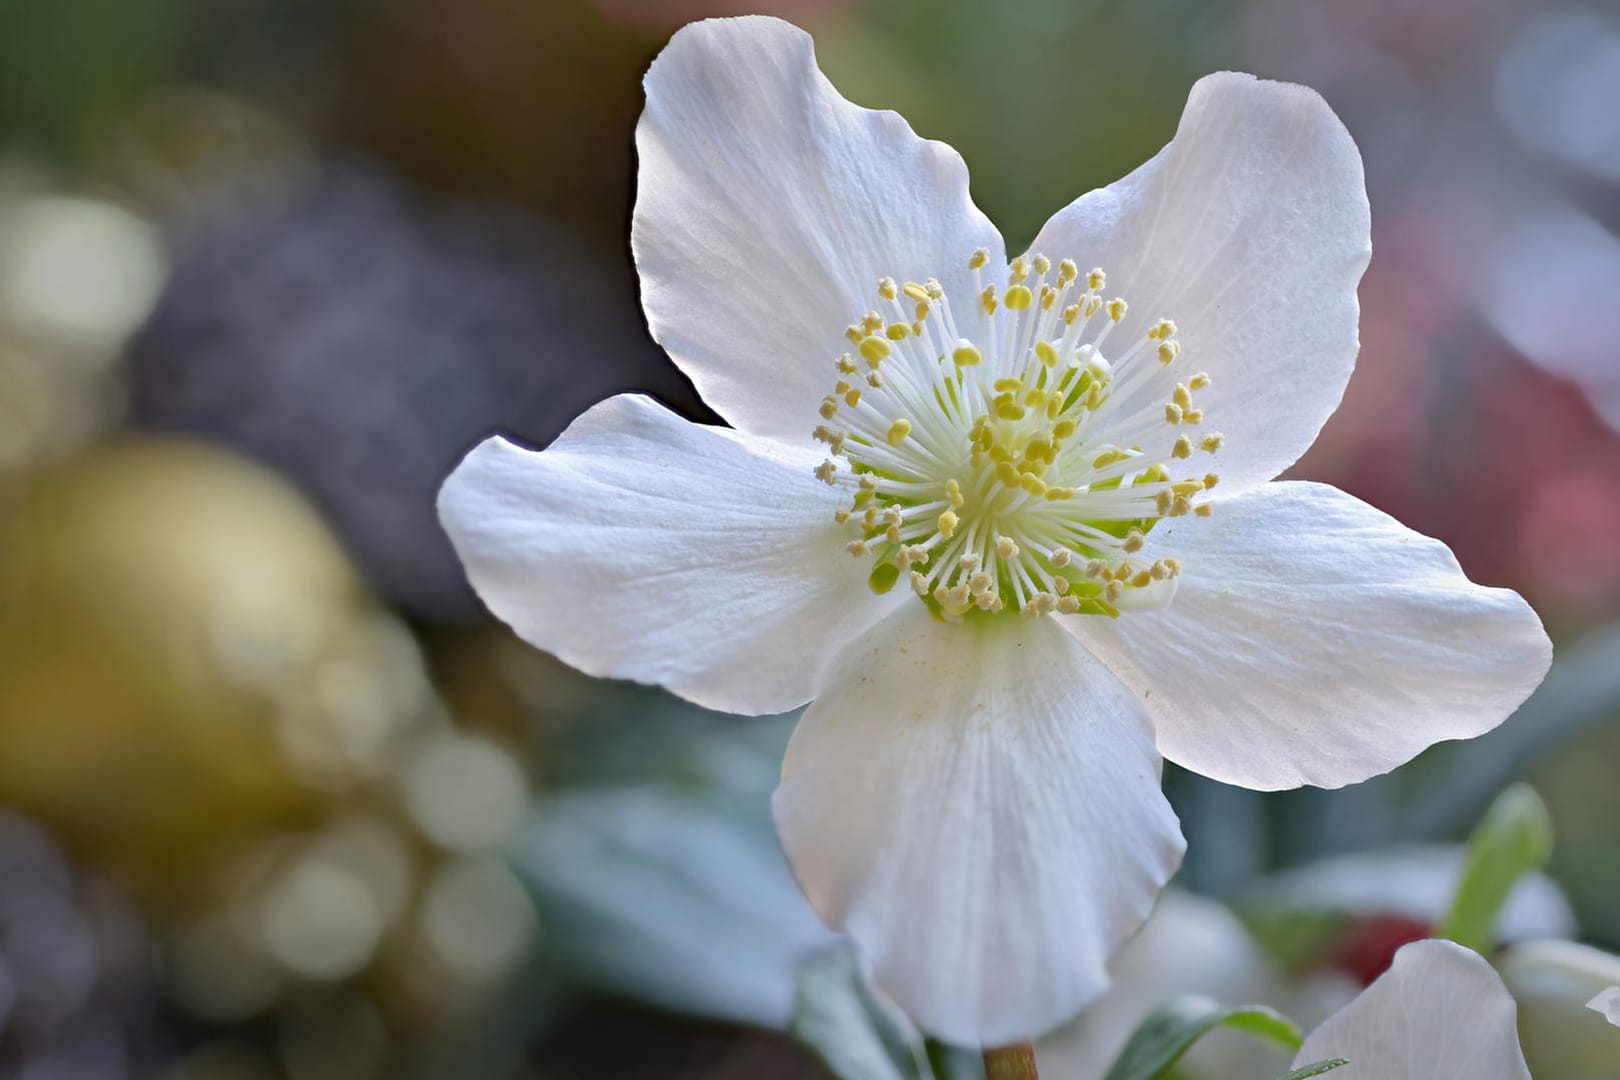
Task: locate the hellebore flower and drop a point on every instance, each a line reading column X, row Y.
column 1439, row 1013
column 967, row 510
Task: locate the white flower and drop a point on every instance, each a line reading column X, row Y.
column 1439, row 1013
column 974, row 795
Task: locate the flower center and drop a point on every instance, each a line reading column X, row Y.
column 1006, row 470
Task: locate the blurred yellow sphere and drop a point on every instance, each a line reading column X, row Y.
column 186, row 656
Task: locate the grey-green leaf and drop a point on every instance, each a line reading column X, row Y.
column 854, row 1033
column 1514, row 839
column 1173, row 1029
column 1307, row 1071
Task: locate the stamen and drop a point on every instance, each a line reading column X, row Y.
column 1001, row 471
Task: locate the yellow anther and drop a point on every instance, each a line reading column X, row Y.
column 978, row 259
column 1163, row 330
column 1006, row 547
column 1154, row 474
column 1182, row 396
column 1193, row 416
column 921, row 312
column 1008, row 385
column 917, row 327
column 1068, row 605
column 1168, row 351
column 829, row 407
column 1048, row 297
column 1183, row 448
column 875, row 381
column 868, row 482
column 1067, row 271
column 954, row 491
column 1199, row 381
column 1042, row 264
column 1141, row 579
column 1163, row 503
column 1035, row 398
column 825, row 471
column 898, row 331
column 1096, row 279
column 1187, row 487
column 854, row 333
column 857, row 548
column 869, row 519
column 874, row 349
column 936, row 291
column 846, row 364
column 840, row 516
column 1007, row 474
column 966, row 355
column 1058, row 494
column 947, row 524
column 886, row 288
column 1113, row 591
column 898, row 431
column 1063, row 429
column 1033, row 484
column 1123, row 571
column 841, row 387
column 1134, row 540
column 872, row 322
column 915, row 291
column 1047, row 354
column 1071, row 313
column 1117, row 309
column 1093, row 305
column 978, row 581
column 1108, row 457
column 1202, row 509
column 1211, row 442
column 1019, row 298
column 1180, row 506
column 853, row 398
column 1172, row 412
column 999, row 452
column 1037, row 448
column 987, row 300
column 1017, row 272
column 1011, row 412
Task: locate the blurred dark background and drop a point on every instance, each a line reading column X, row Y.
column 277, row 800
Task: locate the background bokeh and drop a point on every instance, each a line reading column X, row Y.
column 278, row 800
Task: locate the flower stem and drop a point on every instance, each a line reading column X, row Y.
column 1011, row 1063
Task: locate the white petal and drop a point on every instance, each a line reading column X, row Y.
column 640, row 546
column 1439, row 1013
column 768, row 207
column 1190, row 945
column 1250, row 230
column 979, row 807
column 1316, row 640
column 1607, row 1004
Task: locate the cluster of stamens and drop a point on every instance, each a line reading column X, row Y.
column 993, row 463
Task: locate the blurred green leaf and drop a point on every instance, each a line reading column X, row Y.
column 857, row 1036
column 1171, row 1031
column 1514, row 838
column 1318, row 1069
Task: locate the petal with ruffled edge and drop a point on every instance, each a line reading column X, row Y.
column 641, row 546
column 1439, row 1013
column 1316, row 640
column 768, row 207
column 1250, row 230
column 979, row 807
